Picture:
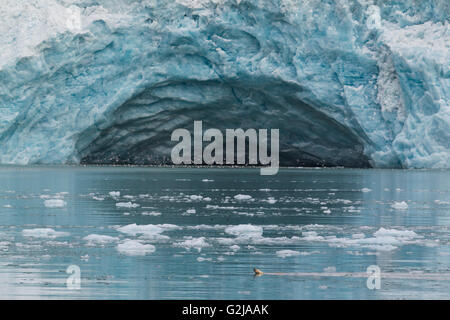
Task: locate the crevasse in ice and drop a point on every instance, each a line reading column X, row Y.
column 348, row 82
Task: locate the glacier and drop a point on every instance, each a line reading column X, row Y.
column 355, row 83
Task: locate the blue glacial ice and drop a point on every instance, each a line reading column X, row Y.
column 359, row 83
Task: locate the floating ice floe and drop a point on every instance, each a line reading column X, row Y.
column 151, row 213
column 400, row 205
column 441, row 202
column 98, row 239
column 4, row 245
column 193, row 243
column 207, row 180
column 43, row 233
column 7, row 206
column 358, row 236
column 209, row 206
column 325, row 210
column 366, row 190
column 245, row 230
column 149, row 231
column 245, row 214
column 329, row 269
column 271, row 200
column 191, row 211
column 311, row 236
column 55, row 203
column 201, row 259
column 287, row 253
column 114, row 193
column 54, row 196
column 382, row 232
column 98, row 198
column 242, row 197
column 206, row 227
column 351, row 209
column 135, row 248
column 126, row 205
column 382, row 240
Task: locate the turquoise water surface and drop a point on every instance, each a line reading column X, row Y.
column 197, row 233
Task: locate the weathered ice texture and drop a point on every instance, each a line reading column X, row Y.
column 354, row 83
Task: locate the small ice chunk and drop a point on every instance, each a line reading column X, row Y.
column 200, row 259
column 7, row 206
column 366, row 190
column 287, row 253
column 329, row 269
column 190, row 211
column 193, row 243
column 135, row 248
column 55, row 203
column 93, row 239
column 114, row 193
column 207, row 180
column 126, row 205
column 358, row 236
column 151, row 213
column 43, row 233
column 245, row 230
column 47, row 196
column 311, row 236
column 98, row 198
column 382, row 232
column 242, row 197
column 149, row 231
column 400, row 205
column 235, row 247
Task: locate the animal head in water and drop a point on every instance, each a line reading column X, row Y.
column 257, row 272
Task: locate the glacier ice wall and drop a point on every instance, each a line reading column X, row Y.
column 349, row 82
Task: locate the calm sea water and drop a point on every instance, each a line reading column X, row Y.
column 189, row 233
